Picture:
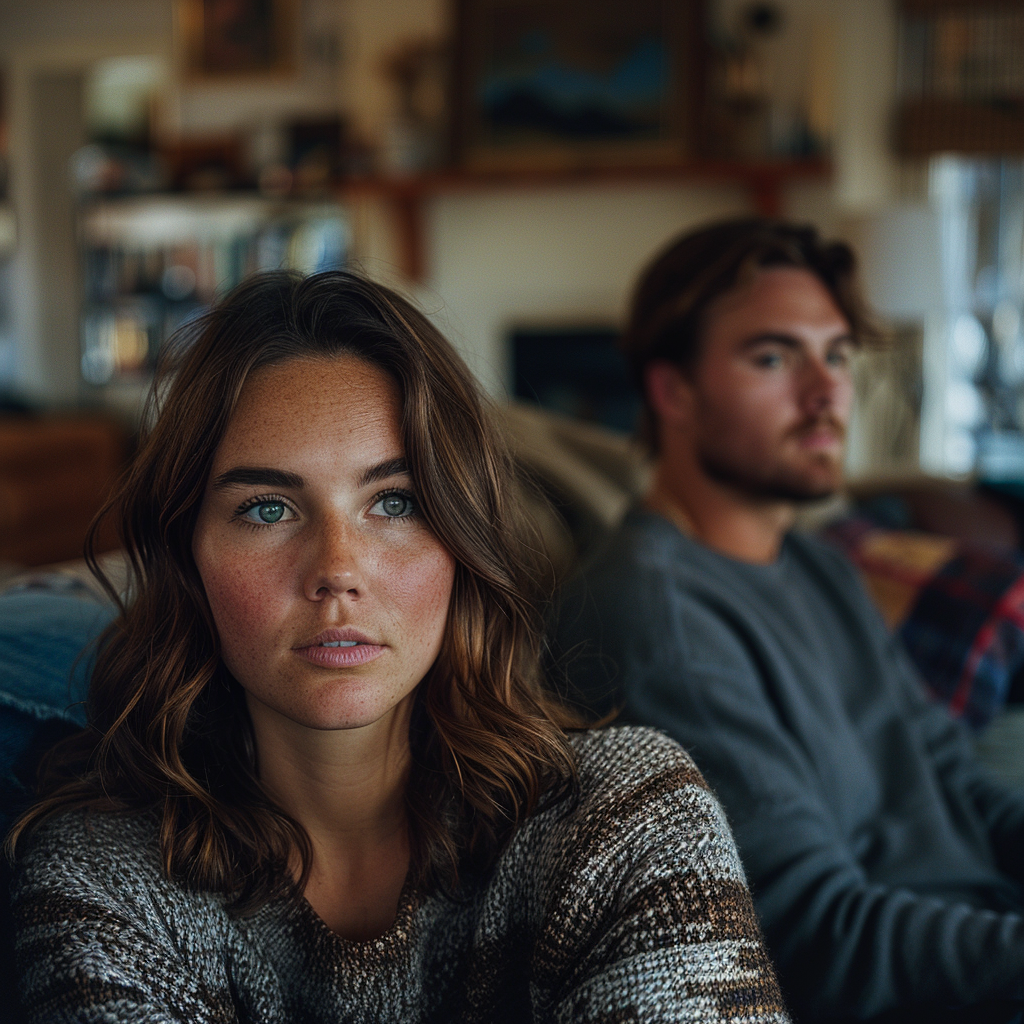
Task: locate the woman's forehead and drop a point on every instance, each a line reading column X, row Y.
column 337, row 403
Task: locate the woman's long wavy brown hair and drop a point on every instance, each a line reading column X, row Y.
column 168, row 726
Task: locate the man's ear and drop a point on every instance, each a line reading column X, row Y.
column 670, row 393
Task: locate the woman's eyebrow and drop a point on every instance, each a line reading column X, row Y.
column 390, row 467
column 259, row 476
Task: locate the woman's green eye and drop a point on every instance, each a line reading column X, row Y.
column 394, row 506
column 266, row 512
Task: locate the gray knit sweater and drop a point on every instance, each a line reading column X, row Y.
column 629, row 906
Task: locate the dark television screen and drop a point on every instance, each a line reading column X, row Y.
column 577, row 371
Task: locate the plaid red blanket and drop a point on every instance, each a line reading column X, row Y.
column 958, row 607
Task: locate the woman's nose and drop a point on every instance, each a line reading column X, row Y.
column 334, row 568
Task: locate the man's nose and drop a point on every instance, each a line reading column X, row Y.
column 821, row 385
column 335, row 567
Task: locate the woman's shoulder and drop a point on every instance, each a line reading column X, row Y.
column 635, row 888
column 84, row 839
column 90, row 896
column 633, row 753
column 620, row 763
column 637, row 782
column 109, row 861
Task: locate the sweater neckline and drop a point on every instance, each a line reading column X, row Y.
column 764, row 570
column 396, row 936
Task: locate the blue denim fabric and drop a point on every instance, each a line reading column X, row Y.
column 46, row 659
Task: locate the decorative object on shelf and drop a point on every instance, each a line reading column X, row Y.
column 745, row 118
column 205, row 164
column 748, row 116
column 225, row 39
column 316, row 152
column 961, row 77
column 574, row 82
column 416, row 70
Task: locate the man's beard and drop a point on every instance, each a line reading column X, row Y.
column 778, row 482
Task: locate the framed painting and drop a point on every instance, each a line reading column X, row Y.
column 230, row 39
column 540, row 83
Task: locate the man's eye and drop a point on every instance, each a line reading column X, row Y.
column 769, row 360
column 841, row 357
column 394, row 505
column 266, row 513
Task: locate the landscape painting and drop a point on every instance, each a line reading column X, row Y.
column 564, row 74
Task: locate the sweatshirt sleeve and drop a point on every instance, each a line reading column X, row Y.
column 1000, row 805
column 93, row 946
column 844, row 946
column 657, row 922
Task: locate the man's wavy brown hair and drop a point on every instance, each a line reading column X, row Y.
column 168, row 726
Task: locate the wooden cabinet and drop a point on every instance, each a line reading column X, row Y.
column 55, row 474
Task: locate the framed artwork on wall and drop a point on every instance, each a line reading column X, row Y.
column 232, row 39
column 554, row 83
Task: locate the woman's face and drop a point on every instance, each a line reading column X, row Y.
column 329, row 592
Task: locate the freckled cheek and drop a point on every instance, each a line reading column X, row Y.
column 418, row 590
column 246, row 603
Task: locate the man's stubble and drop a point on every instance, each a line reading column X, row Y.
column 820, row 476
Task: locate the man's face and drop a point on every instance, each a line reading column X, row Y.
column 771, row 392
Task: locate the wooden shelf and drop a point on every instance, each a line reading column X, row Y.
column 764, row 181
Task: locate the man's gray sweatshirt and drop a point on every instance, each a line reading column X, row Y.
column 886, row 862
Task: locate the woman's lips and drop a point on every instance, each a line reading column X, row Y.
column 340, row 657
column 339, row 648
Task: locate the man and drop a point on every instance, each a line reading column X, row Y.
column 886, row 864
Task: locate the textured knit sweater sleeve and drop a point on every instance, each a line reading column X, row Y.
column 1000, row 806
column 101, row 936
column 649, row 918
column 845, row 945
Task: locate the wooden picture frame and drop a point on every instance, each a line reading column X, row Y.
column 540, row 84
column 223, row 40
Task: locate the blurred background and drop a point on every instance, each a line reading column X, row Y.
column 512, row 165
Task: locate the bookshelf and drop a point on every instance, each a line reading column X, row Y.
column 150, row 263
column 961, row 77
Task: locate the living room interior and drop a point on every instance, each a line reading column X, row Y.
column 147, row 164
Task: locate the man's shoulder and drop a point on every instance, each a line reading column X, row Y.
column 813, row 550
column 647, row 541
column 622, row 759
column 653, row 598
column 645, row 559
column 647, row 552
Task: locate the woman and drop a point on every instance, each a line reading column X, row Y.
column 322, row 781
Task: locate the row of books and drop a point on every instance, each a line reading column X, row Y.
column 141, row 284
column 963, row 54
